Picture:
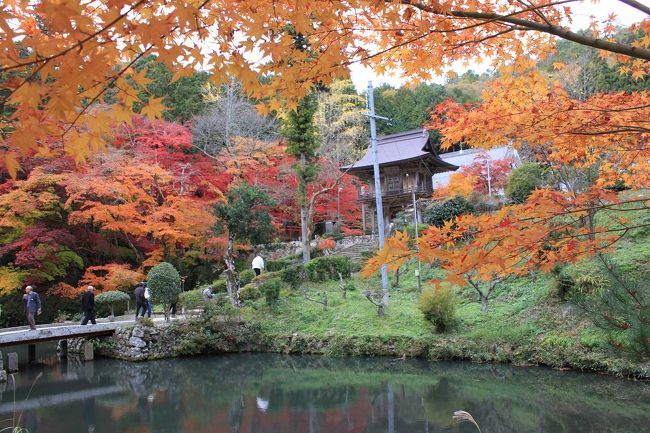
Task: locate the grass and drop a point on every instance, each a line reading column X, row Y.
column 526, row 323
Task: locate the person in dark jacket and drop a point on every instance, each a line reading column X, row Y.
column 140, row 301
column 32, row 306
column 88, row 306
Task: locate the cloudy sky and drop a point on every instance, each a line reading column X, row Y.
column 582, row 11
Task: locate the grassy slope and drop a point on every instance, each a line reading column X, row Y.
column 525, row 324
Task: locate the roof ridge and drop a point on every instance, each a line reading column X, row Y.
column 390, row 137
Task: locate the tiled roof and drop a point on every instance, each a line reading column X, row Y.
column 402, row 147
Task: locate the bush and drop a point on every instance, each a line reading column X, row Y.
column 438, row 306
column 523, row 181
column 293, row 275
column 165, row 285
column 245, row 277
column 563, row 282
column 258, row 280
column 328, row 268
column 111, row 298
column 280, row 264
column 271, row 290
column 191, row 300
column 219, row 286
column 250, row 292
column 439, row 213
column 326, row 244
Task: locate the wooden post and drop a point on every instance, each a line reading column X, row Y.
column 31, row 353
column 363, row 218
column 12, row 362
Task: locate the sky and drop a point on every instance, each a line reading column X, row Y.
column 582, row 11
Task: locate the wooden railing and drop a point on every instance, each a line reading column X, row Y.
column 386, row 192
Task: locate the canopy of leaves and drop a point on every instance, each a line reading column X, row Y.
column 245, row 214
column 60, row 61
column 523, row 180
column 112, row 297
column 164, row 283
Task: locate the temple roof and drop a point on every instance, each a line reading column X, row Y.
column 403, row 147
column 465, row 158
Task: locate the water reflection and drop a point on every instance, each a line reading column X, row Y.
column 278, row 394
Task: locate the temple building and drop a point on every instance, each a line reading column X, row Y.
column 407, row 163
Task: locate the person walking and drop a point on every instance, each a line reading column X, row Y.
column 88, row 306
column 140, row 301
column 32, row 306
column 258, row 264
column 147, row 300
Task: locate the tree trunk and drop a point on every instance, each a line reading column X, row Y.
column 484, row 303
column 304, row 226
column 232, row 279
column 304, row 211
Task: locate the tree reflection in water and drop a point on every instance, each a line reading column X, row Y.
column 257, row 393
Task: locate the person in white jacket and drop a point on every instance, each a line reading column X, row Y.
column 147, row 297
column 258, row 264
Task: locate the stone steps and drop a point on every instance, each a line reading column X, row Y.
column 355, row 252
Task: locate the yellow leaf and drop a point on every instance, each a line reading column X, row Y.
column 154, row 108
column 12, row 164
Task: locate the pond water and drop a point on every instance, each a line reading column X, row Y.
column 263, row 393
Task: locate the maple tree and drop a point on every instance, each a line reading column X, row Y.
column 57, row 59
column 587, row 147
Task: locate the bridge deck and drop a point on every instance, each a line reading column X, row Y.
column 57, row 332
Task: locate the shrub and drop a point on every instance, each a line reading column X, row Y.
column 111, row 298
column 147, row 322
column 280, row 264
column 245, row 277
column 328, row 268
column 438, row 306
column 589, row 284
column 563, row 282
column 258, row 280
column 293, row 275
column 219, row 286
column 326, row 244
column 523, row 181
column 271, row 290
column 165, row 285
column 250, row 292
column 439, row 213
column 191, row 300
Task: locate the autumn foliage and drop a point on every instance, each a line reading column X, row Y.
column 588, row 147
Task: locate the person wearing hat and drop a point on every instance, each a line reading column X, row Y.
column 88, row 306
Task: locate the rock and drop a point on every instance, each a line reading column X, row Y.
column 138, row 331
column 137, row 342
column 3, row 376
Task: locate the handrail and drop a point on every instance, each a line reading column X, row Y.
column 385, row 192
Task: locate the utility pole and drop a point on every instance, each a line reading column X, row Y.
column 378, row 202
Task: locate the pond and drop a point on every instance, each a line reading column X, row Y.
column 264, row 393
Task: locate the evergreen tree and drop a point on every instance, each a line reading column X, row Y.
column 245, row 217
column 302, row 143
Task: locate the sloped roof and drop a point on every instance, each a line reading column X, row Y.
column 464, row 158
column 402, row 147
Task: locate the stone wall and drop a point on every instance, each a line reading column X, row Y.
column 283, row 249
